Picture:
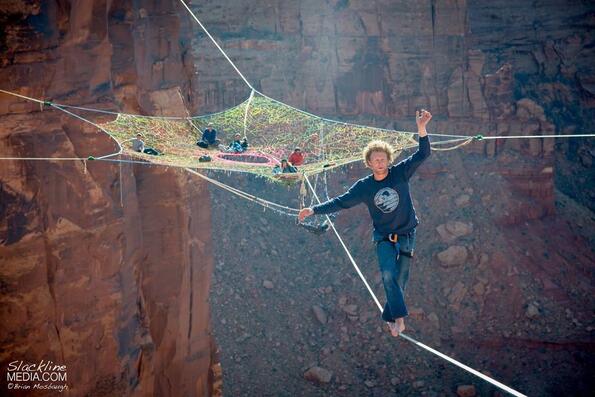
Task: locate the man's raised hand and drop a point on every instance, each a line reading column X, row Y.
column 422, row 118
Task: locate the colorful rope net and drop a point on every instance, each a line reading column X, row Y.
column 272, row 129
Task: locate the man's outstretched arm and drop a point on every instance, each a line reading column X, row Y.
column 347, row 200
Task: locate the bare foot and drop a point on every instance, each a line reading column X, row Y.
column 400, row 324
column 394, row 329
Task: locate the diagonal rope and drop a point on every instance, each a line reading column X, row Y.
column 23, row 96
column 345, row 247
column 410, row 339
column 217, row 45
column 112, row 112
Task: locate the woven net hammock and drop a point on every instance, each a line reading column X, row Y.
column 272, row 129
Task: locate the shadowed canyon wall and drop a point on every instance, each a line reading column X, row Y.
column 104, row 268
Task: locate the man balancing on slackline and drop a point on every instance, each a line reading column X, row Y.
column 386, row 194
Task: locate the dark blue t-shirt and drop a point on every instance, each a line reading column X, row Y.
column 389, row 200
column 209, row 135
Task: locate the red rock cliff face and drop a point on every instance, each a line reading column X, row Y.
column 104, row 269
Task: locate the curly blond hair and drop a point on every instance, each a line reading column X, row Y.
column 378, row 146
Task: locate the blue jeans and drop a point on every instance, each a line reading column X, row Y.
column 394, row 261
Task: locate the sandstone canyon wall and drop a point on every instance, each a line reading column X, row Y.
column 104, row 269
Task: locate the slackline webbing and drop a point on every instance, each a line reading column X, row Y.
column 407, row 337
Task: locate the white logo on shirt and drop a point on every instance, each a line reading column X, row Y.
column 386, row 200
